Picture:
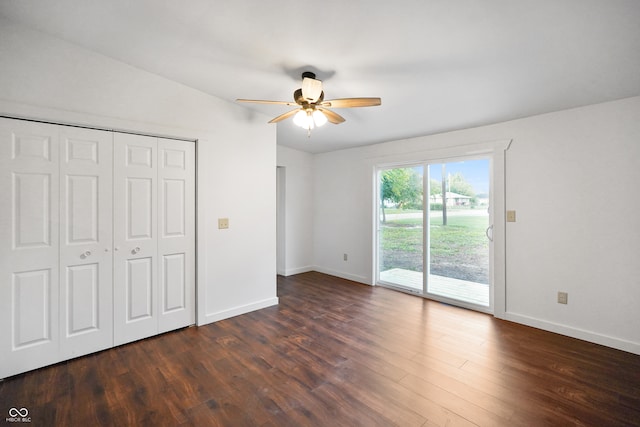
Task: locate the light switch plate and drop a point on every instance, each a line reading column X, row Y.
column 223, row 223
column 563, row 298
column 511, row 216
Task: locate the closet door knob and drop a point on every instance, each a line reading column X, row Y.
column 85, row 255
column 135, row 251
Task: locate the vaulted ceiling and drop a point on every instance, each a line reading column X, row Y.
column 438, row 65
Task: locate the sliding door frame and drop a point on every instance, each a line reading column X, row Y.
column 496, row 152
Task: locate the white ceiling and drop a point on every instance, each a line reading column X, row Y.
column 438, row 65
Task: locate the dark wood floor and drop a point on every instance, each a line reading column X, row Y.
column 336, row 353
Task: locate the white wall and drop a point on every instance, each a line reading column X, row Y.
column 572, row 176
column 46, row 78
column 298, row 212
column 343, row 215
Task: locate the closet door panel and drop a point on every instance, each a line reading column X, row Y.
column 139, row 289
column 176, row 240
column 86, row 295
column 83, row 300
column 32, row 310
column 140, row 210
column 135, row 237
column 29, row 247
column 32, row 203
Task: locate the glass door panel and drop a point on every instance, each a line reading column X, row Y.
column 459, row 231
column 401, row 227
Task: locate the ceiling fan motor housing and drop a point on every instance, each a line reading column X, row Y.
column 300, row 99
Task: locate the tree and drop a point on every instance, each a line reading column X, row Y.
column 458, row 184
column 401, row 186
column 455, row 183
column 435, row 187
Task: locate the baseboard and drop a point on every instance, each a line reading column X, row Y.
column 581, row 334
column 298, row 270
column 342, row 274
column 237, row 311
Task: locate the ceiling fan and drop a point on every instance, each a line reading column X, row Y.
column 312, row 109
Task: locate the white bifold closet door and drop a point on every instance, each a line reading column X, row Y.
column 55, row 250
column 28, row 246
column 86, row 264
column 154, row 236
column 97, row 241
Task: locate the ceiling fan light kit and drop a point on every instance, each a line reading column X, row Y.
column 312, row 109
column 308, row 119
column 319, row 118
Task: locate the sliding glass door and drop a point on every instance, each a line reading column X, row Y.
column 434, row 231
column 459, row 231
column 401, row 223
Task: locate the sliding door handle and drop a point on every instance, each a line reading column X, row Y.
column 489, row 233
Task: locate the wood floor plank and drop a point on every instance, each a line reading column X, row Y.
column 338, row 353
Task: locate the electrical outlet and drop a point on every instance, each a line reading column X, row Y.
column 563, row 298
column 345, row 257
column 511, row 216
column 223, row 223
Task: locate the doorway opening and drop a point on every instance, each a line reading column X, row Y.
column 281, row 220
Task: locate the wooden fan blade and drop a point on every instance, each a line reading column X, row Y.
column 311, row 89
column 261, row 101
column 286, row 115
column 352, row 102
column 334, row 118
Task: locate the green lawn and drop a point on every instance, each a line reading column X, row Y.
column 459, row 249
column 462, row 234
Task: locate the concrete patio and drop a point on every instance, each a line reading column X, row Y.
column 462, row 290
